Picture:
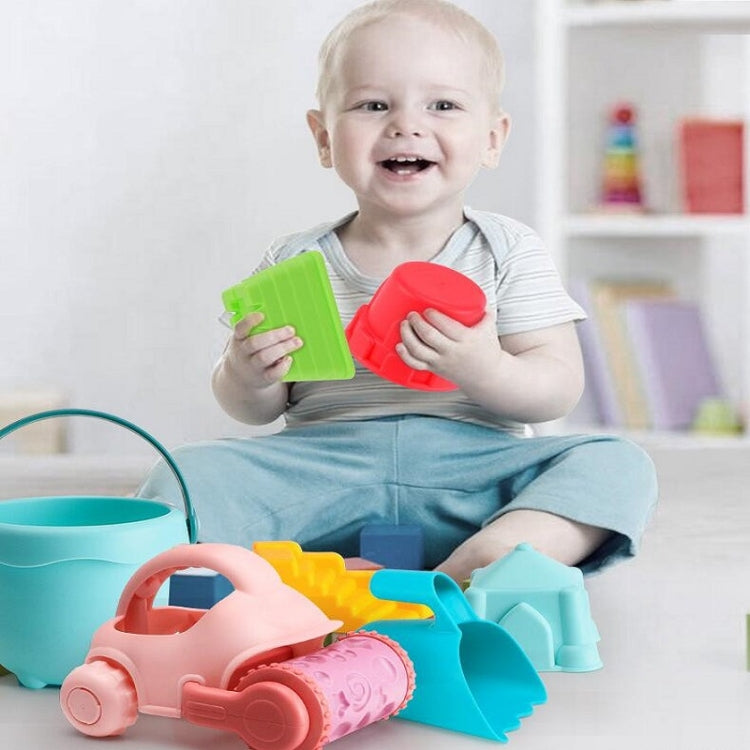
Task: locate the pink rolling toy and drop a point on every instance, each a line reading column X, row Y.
column 306, row 702
column 253, row 664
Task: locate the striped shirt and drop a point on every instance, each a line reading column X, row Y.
column 504, row 257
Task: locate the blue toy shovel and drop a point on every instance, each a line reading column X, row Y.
column 471, row 674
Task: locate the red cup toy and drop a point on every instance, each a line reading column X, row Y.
column 415, row 286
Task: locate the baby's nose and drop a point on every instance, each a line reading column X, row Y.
column 404, row 124
column 398, row 132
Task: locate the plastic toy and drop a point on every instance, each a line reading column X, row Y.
column 543, row 604
column 311, row 700
column 65, row 560
column 341, row 593
column 219, row 667
column 198, row 587
column 716, row 416
column 392, row 545
column 297, row 292
column 415, row 286
column 471, row 674
column 621, row 189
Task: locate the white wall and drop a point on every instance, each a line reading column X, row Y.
column 149, row 152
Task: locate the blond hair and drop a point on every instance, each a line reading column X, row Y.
column 444, row 14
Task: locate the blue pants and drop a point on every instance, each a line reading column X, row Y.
column 319, row 485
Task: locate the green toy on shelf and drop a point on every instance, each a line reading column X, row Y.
column 297, row 292
column 716, row 416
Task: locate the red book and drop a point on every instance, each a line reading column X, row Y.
column 711, row 165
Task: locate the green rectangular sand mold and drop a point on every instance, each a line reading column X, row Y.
column 297, row 292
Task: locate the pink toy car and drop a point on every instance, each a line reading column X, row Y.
column 252, row 664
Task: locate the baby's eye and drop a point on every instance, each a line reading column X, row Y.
column 374, row 106
column 443, row 105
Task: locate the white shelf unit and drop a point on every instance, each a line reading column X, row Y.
column 671, row 59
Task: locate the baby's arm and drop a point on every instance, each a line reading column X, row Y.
column 247, row 378
column 528, row 377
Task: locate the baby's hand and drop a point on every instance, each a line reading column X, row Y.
column 261, row 359
column 459, row 353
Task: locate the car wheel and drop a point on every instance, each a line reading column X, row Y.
column 99, row 699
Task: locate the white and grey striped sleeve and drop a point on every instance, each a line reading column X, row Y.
column 529, row 291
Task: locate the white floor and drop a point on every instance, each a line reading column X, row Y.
column 673, row 646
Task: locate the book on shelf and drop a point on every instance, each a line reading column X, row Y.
column 674, row 359
column 612, row 372
column 599, row 383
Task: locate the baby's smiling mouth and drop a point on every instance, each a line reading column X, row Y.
column 406, row 164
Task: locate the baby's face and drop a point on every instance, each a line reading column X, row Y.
column 407, row 121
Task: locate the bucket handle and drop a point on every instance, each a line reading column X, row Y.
column 192, row 523
column 436, row 590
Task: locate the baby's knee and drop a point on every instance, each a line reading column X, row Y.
column 631, row 472
column 616, row 465
column 611, row 453
column 633, row 461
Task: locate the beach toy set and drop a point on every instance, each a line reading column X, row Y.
column 253, row 664
column 482, row 683
column 298, row 292
column 298, row 650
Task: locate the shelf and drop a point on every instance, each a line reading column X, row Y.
column 71, row 474
column 668, row 440
column 673, row 58
column 664, row 225
column 718, row 16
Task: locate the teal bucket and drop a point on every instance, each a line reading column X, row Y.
column 64, row 562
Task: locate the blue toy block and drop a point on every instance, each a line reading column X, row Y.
column 199, row 588
column 393, row 546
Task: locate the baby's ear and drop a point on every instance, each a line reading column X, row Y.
column 499, row 129
column 316, row 123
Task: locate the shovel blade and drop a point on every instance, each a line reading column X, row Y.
column 503, row 682
column 476, row 679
